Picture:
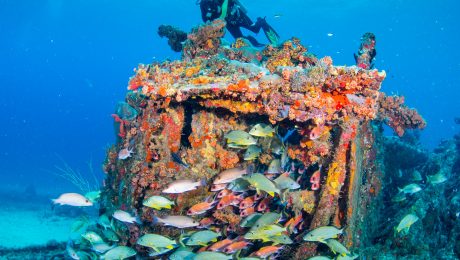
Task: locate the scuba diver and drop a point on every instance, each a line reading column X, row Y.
column 236, row 17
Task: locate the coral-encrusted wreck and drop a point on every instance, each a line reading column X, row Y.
column 185, row 107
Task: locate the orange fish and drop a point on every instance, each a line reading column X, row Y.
column 218, row 246
column 231, row 229
column 202, row 249
column 206, row 222
column 317, row 132
column 315, row 177
column 258, row 196
column 235, row 247
column 223, row 193
column 227, row 200
column 247, row 202
column 292, row 223
column 302, row 170
column 201, row 208
column 263, row 205
column 267, row 251
column 315, row 186
column 247, row 212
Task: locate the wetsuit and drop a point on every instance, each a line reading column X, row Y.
column 236, row 18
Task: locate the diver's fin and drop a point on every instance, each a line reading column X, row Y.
column 223, row 14
column 271, row 34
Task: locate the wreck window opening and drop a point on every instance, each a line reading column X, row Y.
column 343, row 198
column 189, row 110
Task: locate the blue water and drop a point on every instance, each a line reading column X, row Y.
column 65, row 64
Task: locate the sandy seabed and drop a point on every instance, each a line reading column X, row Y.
column 22, row 227
column 28, row 219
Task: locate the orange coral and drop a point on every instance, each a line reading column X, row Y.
column 333, row 178
column 191, row 71
column 234, row 106
column 239, row 43
column 172, row 129
column 241, row 86
column 201, row 80
column 397, row 115
column 226, row 159
column 162, row 91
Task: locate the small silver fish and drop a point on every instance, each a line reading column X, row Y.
column 73, row 199
column 218, row 187
column 177, row 221
column 229, row 175
column 436, row 178
column 125, row 153
column 410, row 189
column 124, row 216
column 181, row 186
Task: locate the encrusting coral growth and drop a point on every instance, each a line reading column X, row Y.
column 397, row 115
column 320, row 115
column 174, row 35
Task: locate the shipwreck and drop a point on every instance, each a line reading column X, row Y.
column 176, row 115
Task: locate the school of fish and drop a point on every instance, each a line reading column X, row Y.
column 256, row 193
